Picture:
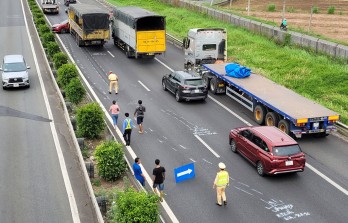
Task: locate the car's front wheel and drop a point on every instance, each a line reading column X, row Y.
column 260, row 169
column 164, row 85
column 233, row 145
column 177, row 96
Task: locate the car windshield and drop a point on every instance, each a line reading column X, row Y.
column 286, row 150
column 14, row 67
column 194, row 82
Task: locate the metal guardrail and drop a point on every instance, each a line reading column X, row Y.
column 174, row 40
column 341, row 128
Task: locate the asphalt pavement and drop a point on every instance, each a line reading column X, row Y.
column 174, row 133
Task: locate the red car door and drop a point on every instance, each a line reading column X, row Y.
column 246, row 144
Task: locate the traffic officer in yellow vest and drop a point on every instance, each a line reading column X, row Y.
column 127, row 129
column 221, row 181
column 113, row 79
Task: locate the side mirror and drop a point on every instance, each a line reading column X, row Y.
column 28, row 67
column 0, row 68
column 186, row 42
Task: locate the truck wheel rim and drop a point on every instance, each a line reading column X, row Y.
column 270, row 121
column 282, row 127
column 258, row 115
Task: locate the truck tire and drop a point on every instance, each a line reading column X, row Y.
column 284, row 126
column 128, row 52
column 259, row 114
column 271, row 119
column 213, row 85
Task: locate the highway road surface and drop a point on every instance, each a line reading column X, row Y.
column 41, row 179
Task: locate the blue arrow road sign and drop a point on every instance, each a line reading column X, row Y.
column 184, row 172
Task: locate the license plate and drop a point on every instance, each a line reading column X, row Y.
column 196, row 91
column 289, row 163
column 15, row 85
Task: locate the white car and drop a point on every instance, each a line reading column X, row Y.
column 14, row 72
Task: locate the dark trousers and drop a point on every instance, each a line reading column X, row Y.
column 127, row 136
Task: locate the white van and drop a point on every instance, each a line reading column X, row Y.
column 14, row 72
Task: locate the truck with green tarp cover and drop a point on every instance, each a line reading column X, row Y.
column 139, row 32
column 89, row 24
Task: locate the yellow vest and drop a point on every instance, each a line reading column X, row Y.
column 222, row 178
column 128, row 124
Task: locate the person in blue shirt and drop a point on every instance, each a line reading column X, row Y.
column 127, row 129
column 137, row 172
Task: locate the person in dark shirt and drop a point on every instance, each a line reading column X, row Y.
column 158, row 178
column 139, row 114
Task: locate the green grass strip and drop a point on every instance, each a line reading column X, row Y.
column 316, row 77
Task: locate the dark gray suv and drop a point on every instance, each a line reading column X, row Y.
column 185, row 86
column 14, row 72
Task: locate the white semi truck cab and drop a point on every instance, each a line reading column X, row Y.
column 204, row 46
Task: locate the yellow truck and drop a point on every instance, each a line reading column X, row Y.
column 139, row 32
column 89, row 24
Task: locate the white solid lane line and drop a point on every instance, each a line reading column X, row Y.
column 110, row 53
column 164, row 64
column 248, row 123
column 230, row 111
column 327, row 179
column 67, row 183
column 207, row 146
column 146, row 88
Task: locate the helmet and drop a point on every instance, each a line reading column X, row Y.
column 222, row 165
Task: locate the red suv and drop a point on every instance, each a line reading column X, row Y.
column 269, row 149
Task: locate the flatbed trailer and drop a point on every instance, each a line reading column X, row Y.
column 271, row 103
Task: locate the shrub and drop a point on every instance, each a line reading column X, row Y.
column 271, row 8
column 39, row 21
column 47, row 38
column 132, row 206
column 315, row 10
column 110, row 160
column 43, row 28
column 90, row 122
column 331, row 10
column 59, row 59
column 75, row 91
column 65, row 73
column 52, row 48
